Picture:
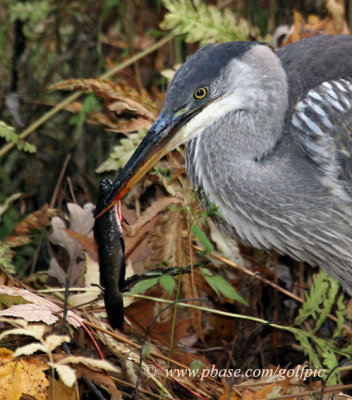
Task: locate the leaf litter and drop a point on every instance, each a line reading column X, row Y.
column 160, row 236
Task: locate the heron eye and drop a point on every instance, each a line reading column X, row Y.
column 200, row 93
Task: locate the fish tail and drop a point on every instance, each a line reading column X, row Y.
column 114, row 308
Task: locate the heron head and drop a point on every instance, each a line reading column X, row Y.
column 215, row 80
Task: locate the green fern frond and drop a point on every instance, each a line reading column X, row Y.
column 202, row 23
column 4, row 206
column 328, row 354
column 121, row 153
column 304, row 340
column 8, row 133
column 318, row 304
column 341, row 316
column 319, row 300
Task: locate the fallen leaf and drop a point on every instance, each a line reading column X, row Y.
column 100, row 379
column 66, row 373
column 22, row 376
column 92, row 279
column 88, row 243
column 58, row 390
column 39, row 309
column 89, row 362
column 81, row 222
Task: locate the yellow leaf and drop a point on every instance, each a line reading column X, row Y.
column 21, row 376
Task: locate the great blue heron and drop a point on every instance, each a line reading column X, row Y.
column 268, row 142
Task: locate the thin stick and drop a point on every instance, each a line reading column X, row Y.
column 52, row 202
column 36, row 124
column 264, row 280
column 61, row 177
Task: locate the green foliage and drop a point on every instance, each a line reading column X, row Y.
column 221, row 286
column 8, row 202
column 213, row 211
column 202, row 23
column 196, row 366
column 341, row 316
column 144, row 285
column 90, row 104
column 197, row 231
column 146, row 350
column 319, row 301
column 121, row 153
column 321, row 352
column 163, row 172
column 5, row 257
column 9, row 134
column 168, row 283
column 30, row 11
column 165, row 280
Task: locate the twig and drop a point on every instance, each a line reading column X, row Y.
column 52, row 202
column 69, row 181
column 47, row 116
column 64, row 313
column 132, row 344
column 58, row 184
column 264, row 280
column 147, row 331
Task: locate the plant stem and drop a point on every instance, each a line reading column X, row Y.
column 44, row 118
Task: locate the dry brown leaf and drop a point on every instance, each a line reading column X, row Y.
column 39, row 309
column 88, row 243
column 130, row 105
column 22, row 376
column 62, row 391
column 157, row 207
column 191, row 291
column 136, row 247
column 172, row 244
column 334, row 25
column 100, row 379
column 81, row 221
column 36, row 221
column 98, row 118
column 112, row 91
column 336, row 9
column 130, row 125
column 142, row 312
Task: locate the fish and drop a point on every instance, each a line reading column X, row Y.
column 109, row 237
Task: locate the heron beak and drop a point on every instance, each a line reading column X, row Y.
column 160, row 139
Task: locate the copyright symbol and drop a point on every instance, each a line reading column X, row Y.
column 150, row 371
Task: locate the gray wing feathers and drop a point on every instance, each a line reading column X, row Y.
column 322, row 125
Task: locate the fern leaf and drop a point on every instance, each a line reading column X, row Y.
column 328, row 302
column 308, row 348
column 121, row 153
column 9, row 134
column 341, row 316
column 326, row 351
column 319, row 300
column 202, row 23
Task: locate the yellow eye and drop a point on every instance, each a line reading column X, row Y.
column 200, row 93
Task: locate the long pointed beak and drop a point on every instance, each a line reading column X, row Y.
column 160, row 139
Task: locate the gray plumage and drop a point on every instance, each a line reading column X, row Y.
column 268, row 142
column 279, row 166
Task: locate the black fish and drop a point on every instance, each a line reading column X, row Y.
column 111, row 249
